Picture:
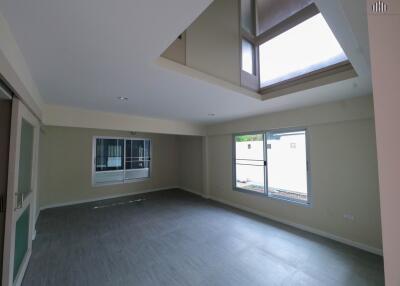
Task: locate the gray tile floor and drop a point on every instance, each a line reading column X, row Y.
column 176, row 238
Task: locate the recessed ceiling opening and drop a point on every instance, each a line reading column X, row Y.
column 294, row 48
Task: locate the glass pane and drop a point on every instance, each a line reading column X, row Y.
column 247, row 57
column 25, row 158
column 247, row 15
column 147, row 149
column 21, row 240
column 109, row 154
column 134, row 154
column 140, row 170
column 250, row 177
column 307, row 47
column 250, row 147
column 287, row 165
column 249, row 162
column 109, row 177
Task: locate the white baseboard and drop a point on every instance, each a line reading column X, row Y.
column 71, row 203
column 192, row 191
column 303, row 227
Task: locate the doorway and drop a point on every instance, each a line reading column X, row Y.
column 5, row 126
column 20, row 213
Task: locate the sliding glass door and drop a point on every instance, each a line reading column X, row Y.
column 20, row 213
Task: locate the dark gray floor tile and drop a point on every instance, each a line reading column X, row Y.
column 176, row 238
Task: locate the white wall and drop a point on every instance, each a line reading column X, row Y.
column 15, row 70
column 385, row 57
column 343, row 172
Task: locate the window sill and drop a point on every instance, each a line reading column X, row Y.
column 97, row 185
column 324, row 76
column 307, row 204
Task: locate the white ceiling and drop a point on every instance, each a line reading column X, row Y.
column 86, row 53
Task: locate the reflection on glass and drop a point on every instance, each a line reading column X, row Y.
column 109, row 154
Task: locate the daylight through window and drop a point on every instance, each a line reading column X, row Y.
column 274, row 163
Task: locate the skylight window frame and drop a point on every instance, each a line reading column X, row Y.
column 249, row 80
column 324, row 75
column 291, row 22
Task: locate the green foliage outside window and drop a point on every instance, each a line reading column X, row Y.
column 248, row 138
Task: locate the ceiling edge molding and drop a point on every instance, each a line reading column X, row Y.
column 357, row 108
column 193, row 73
column 55, row 115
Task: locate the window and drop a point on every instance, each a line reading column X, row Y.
column 274, row 163
column 249, row 162
column 287, row 44
column 119, row 160
column 247, row 56
column 305, row 48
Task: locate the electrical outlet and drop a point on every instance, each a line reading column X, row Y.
column 348, row 217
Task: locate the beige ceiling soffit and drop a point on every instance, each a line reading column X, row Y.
column 65, row 116
column 171, row 65
column 339, row 72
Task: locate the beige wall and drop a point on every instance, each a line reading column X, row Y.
column 212, row 41
column 190, row 162
column 343, row 163
column 385, row 58
column 66, row 165
column 343, row 170
column 351, row 109
column 177, row 50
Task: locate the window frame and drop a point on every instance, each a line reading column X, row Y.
column 124, row 181
column 330, row 74
column 234, row 163
column 291, row 22
column 265, row 194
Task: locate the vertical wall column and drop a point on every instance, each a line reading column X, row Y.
column 384, row 26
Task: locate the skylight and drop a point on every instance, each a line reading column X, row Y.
column 307, row 47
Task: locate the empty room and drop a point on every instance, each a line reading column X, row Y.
column 199, row 142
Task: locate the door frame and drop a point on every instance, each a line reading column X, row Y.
column 19, row 112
